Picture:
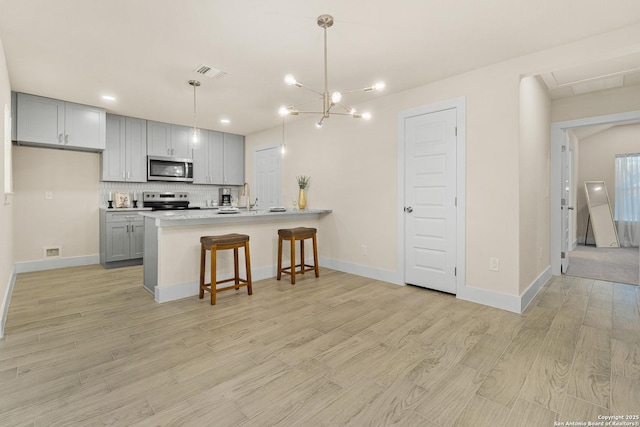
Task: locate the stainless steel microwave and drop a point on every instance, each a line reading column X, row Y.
column 169, row 169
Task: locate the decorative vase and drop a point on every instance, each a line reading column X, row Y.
column 302, row 199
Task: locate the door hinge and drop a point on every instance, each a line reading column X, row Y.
column 455, row 202
column 456, row 130
column 563, row 255
column 564, row 148
column 455, row 271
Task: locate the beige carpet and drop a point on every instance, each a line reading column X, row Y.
column 620, row 265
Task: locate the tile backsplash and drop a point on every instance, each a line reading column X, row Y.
column 199, row 195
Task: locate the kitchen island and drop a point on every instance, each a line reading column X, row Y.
column 172, row 245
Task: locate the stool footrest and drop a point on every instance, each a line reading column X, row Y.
column 207, row 286
column 306, row 268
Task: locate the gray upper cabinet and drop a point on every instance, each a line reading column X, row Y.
column 180, row 142
column 233, row 159
column 219, row 160
column 125, row 158
column 59, row 124
column 207, row 159
column 158, row 139
column 167, row 140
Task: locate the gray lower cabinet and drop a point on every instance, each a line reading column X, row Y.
column 48, row 122
column 121, row 238
column 125, row 158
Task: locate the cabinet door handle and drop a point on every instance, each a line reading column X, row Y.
column 66, row 139
column 127, row 228
column 123, row 174
column 129, row 174
column 60, row 139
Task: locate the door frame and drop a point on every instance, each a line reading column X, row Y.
column 557, row 137
column 459, row 104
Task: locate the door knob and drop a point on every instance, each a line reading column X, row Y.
column 570, row 208
column 408, row 209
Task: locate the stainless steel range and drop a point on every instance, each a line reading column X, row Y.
column 166, row 200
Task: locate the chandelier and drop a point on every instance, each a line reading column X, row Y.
column 329, row 101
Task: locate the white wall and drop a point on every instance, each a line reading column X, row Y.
column 594, row 104
column 70, row 218
column 597, row 163
column 535, row 143
column 352, row 165
column 6, row 209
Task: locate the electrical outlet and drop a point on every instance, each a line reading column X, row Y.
column 364, row 249
column 48, row 195
column 494, row 264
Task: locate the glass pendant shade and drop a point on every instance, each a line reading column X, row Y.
column 194, row 137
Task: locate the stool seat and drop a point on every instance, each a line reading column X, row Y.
column 225, row 239
column 222, row 242
column 298, row 232
column 293, row 235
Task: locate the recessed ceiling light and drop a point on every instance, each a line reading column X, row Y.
column 225, row 121
column 108, row 98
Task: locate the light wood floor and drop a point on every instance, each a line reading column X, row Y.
column 87, row 346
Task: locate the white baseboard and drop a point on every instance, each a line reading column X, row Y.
column 363, row 270
column 184, row 290
column 490, row 298
column 190, row 289
column 52, row 264
column 534, row 288
column 7, row 301
column 513, row 303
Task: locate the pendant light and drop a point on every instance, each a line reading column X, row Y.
column 328, row 100
column 194, row 133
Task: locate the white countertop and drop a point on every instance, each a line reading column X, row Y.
column 212, row 216
column 126, row 209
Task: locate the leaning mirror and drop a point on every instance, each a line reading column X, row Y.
column 600, row 216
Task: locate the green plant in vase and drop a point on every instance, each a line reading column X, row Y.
column 303, row 183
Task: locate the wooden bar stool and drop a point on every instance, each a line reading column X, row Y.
column 218, row 243
column 293, row 234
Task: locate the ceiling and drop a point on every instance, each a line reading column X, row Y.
column 623, row 71
column 144, row 52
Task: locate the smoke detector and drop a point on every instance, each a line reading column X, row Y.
column 210, row 71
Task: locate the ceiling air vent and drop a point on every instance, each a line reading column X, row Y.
column 210, row 72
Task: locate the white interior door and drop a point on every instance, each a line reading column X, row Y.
column 430, row 200
column 267, row 177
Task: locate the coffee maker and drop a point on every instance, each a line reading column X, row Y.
column 225, row 196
